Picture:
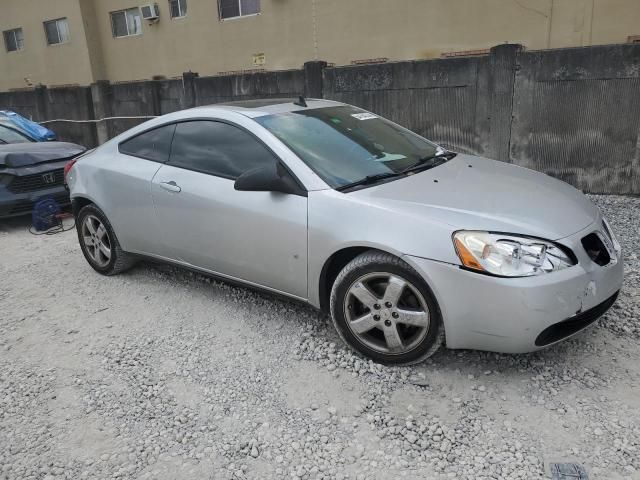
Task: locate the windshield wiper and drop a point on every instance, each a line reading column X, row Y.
column 428, row 162
column 370, row 179
column 423, row 163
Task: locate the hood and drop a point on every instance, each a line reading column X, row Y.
column 16, row 155
column 475, row 193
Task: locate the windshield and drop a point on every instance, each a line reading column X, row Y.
column 345, row 144
column 8, row 135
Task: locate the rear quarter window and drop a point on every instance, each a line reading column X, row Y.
column 152, row 145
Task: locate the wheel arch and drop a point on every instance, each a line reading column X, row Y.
column 334, row 265
column 78, row 202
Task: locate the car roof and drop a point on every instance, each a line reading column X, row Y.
column 248, row 108
column 267, row 106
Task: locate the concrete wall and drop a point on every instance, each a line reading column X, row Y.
column 69, row 103
column 23, row 102
column 291, row 32
column 285, row 83
column 572, row 113
column 576, row 116
column 158, row 97
column 73, row 104
column 444, row 100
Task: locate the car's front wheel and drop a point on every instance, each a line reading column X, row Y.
column 99, row 243
column 383, row 309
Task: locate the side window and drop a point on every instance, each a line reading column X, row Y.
column 152, row 145
column 217, row 148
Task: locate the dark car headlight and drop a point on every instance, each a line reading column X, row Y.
column 509, row 255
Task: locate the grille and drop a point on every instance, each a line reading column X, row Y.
column 573, row 325
column 37, row 181
column 26, row 206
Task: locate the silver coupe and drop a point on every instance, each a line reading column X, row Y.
column 407, row 245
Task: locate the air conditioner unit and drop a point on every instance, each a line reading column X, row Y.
column 150, row 12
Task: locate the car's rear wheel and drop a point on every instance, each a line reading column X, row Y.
column 383, row 309
column 99, row 243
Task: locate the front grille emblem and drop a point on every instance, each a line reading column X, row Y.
column 48, row 177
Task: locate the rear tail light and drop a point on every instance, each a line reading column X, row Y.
column 67, row 167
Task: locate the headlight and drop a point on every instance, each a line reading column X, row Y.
column 509, row 255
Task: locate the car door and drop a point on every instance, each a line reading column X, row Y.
column 122, row 187
column 257, row 237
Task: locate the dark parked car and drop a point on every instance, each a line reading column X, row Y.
column 32, row 170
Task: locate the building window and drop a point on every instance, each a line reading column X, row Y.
column 57, row 31
column 13, row 40
column 126, row 22
column 178, row 8
column 238, row 8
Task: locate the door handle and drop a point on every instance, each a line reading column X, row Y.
column 170, row 186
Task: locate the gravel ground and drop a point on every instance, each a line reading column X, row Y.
column 159, row 373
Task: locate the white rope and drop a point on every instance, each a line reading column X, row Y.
column 99, row 120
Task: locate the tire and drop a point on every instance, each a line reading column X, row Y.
column 118, row 260
column 408, row 328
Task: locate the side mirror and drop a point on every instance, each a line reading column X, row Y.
column 270, row 178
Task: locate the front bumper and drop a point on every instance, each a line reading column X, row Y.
column 15, row 204
column 517, row 315
column 21, row 201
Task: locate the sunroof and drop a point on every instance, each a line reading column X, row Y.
column 257, row 103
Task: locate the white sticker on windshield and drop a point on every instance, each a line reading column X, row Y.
column 364, row 116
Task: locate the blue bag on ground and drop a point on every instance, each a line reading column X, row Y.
column 44, row 215
column 34, row 130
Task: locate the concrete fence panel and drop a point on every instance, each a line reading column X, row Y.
column 572, row 113
column 171, row 96
column 71, row 103
column 131, row 100
column 226, row 88
column 22, row 102
column 576, row 116
column 436, row 99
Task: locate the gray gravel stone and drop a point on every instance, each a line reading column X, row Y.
column 162, row 373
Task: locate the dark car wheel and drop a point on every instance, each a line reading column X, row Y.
column 99, row 243
column 383, row 309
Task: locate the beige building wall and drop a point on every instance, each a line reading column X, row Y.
column 61, row 64
column 200, row 42
column 93, row 40
column 290, row 32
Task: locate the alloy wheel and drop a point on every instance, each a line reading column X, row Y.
column 96, row 240
column 387, row 313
